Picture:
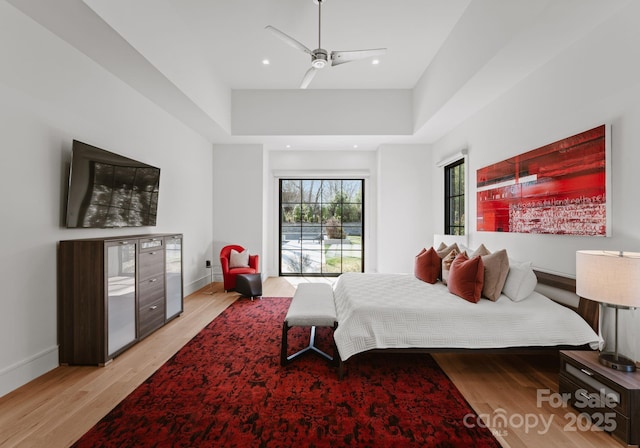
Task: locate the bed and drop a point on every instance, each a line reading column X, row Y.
column 399, row 312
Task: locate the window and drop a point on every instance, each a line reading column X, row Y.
column 454, row 192
column 321, row 226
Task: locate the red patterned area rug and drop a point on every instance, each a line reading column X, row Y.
column 226, row 388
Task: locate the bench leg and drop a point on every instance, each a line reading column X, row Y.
column 284, row 359
column 283, row 349
column 312, row 345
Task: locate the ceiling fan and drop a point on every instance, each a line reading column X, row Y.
column 321, row 57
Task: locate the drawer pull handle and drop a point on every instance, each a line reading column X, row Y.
column 585, row 395
column 586, row 372
column 153, row 280
column 152, row 253
column 154, row 307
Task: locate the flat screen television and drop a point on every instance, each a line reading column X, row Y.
column 109, row 190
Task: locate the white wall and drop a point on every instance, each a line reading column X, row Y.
column 162, row 40
column 237, row 195
column 595, row 81
column 405, row 223
column 397, row 179
column 321, row 112
column 51, row 94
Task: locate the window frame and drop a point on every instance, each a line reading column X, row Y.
column 450, row 225
column 302, row 203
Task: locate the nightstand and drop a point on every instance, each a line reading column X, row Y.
column 610, row 397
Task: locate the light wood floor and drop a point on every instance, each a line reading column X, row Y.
column 60, row 406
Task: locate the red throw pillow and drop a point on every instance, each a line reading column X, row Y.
column 466, row 277
column 427, row 265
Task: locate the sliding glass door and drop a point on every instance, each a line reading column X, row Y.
column 321, row 226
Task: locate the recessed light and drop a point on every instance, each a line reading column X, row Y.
column 355, row 146
column 265, row 62
column 375, row 61
column 288, row 146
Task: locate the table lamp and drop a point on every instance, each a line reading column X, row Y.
column 613, row 279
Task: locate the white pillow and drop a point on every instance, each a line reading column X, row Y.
column 239, row 259
column 520, row 282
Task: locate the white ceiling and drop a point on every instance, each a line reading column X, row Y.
column 232, row 33
column 187, row 55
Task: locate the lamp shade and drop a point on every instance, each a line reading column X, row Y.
column 609, row 277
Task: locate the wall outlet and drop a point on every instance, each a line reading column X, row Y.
column 208, row 264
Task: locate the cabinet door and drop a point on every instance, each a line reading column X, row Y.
column 173, row 256
column 121, row 290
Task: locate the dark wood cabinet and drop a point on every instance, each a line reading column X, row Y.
column 610, row 398
column 113, row 292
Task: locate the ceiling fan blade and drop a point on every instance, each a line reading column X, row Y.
column 308, row 77
column 341, row 57
column 288, row 39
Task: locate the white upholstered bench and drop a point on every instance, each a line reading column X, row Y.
column 312, row 306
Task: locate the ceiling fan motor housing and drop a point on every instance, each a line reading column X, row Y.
column 319, row 58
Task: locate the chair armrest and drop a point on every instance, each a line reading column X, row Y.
column 225, row 264
column 254, row 262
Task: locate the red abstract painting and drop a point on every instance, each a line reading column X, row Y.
column 560, row 188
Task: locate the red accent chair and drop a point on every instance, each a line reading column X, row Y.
column 229, row 274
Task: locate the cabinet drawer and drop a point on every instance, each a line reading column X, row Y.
column 150, row 290
column 605, row 417
column 596, row 388
column 150, row 244
column 151, row 264
column 150, row 317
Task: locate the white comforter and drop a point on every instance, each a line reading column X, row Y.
column 400, row 311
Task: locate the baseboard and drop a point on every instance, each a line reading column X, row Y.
column 196, row 285
column 20, row 373
column 217, row 274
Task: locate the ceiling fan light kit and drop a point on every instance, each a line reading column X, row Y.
column 321, row 57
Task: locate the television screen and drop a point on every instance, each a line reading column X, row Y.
column 109, row 190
